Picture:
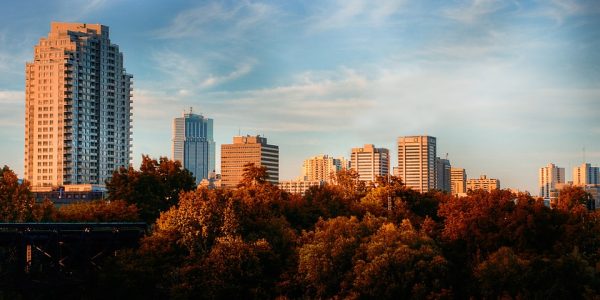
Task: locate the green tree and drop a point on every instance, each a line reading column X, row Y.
column 154, row 188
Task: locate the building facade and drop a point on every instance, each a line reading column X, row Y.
column 248, row 149
column 299, row 186
column 550, row 177
column 585, row 175
column 483, row 183
column 458, row 178
column 370, row 162
column 193, row 144
column 322, row 167
column 416, row 162
column 77, row 107
column 443, row 180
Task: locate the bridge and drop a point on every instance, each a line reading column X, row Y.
column 51, row 254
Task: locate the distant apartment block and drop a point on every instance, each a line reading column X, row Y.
column 323, row 167
column 551, row 178
column 370, row 162
column 458, row 178
column 443, row 180
column 585, row 175
column 416, row 162
column 248, row 149
column 77, row 107
column 299, row 186
column 193, row 144
column 483, row 183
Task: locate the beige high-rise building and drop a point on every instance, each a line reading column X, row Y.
column 416, row 162
column 550, row 177
column 585, row 175
column 483, row 183
column 299, row 186
column 77, row 107
column 248, row 149
column 370, row 162
column 322, row 167
column 458, row 178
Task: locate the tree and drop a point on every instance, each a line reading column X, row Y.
column 399, row 263
column 325, row 257
column 154, row 188
column 253, row 175
column 98, row 211
column 16, row 200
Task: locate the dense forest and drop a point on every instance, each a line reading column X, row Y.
column 343, row 240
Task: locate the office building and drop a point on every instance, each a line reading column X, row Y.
column 585, row 175
column 370, row 162
column 483, row 183
column 244, row 150
column 550, row 178
column 77, row 108
column 323, row 167
column 416, row 162
column 299, row 186
column 442, row 175
column 458, row 178
column 193, row 144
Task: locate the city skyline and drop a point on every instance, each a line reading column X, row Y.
column 504, row 87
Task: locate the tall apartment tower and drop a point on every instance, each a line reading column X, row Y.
column 442, row 175
column 322, row 167
column 193, row 144
column 586, row 175
column 416, row 162
column 458, row 178
column 77, row 107
column 370, row 162
column 248, row 149
column 549, row 177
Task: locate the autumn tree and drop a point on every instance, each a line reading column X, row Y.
column 154, row 188
column 98, row 211
column 16, row 200
column 400, row 262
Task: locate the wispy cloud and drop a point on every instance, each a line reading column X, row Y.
column 240, row 71
column 475, row 10
column 217, row 20
column 343, row 13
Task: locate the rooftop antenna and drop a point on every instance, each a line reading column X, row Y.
column 584, row 155
column 190, row 110
column 446, row 155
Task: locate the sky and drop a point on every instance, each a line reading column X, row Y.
column 506, row 87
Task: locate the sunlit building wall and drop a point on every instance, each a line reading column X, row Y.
column 323, row 167
column 77, row 107
column 585, row 175
column 458, row 178
column 550, row 177
column 483, row 183
column 416, row 162
column 370, row 162
column 248, row 149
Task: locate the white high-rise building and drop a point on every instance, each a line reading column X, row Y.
column 416, row 162
column 585, row 175
column 370, row 162
column 549, row 177
column 323, row 167
column 77, row 107
column 193, row 144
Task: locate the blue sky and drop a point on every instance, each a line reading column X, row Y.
column 505, row 86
